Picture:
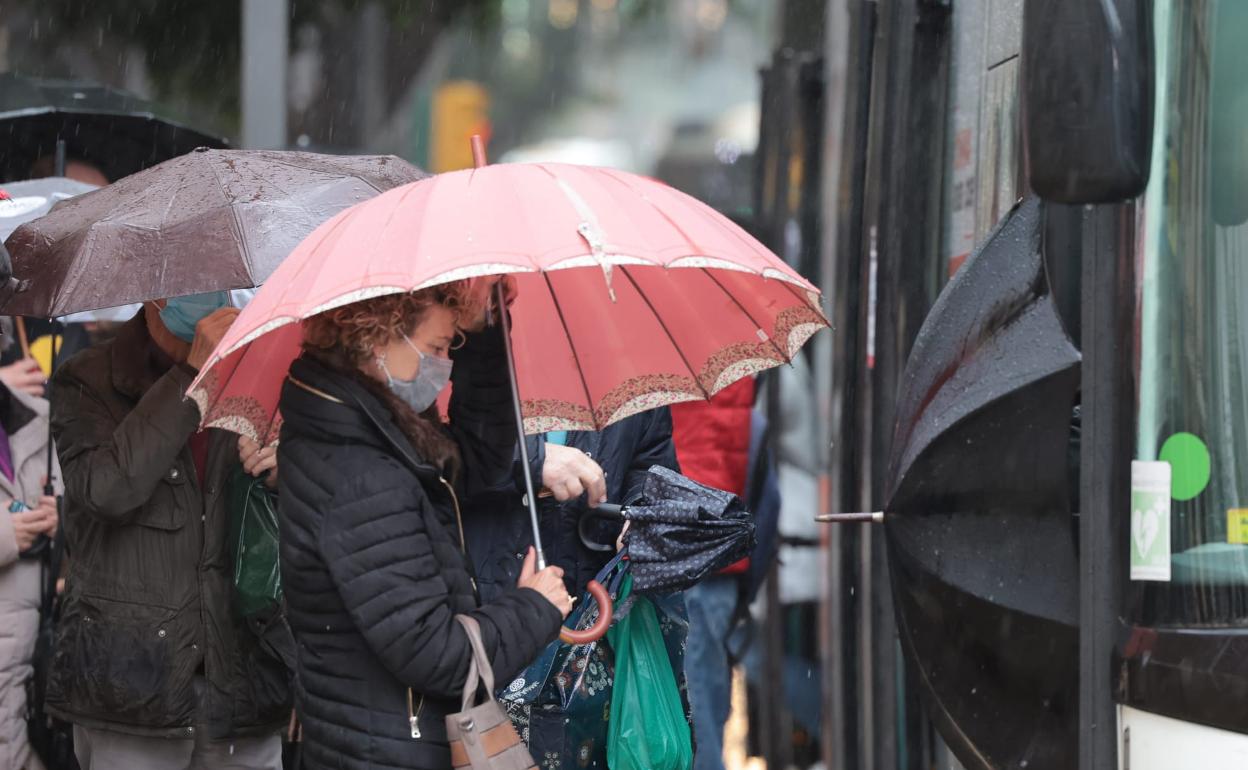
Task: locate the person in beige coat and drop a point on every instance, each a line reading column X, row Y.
column 23, row 471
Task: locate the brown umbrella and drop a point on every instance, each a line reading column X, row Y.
column 205, row 221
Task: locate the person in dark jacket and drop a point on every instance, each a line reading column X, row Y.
column 151, row 664
column 373, row 560
column 571, row 468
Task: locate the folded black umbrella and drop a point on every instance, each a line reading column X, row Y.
column 680, row 532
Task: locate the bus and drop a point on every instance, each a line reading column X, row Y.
column 1070, row 589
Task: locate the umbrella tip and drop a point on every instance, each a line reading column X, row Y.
column 478, row 151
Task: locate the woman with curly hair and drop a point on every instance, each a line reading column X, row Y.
column 373, row 559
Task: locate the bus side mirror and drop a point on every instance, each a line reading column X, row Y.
column 1087, row 98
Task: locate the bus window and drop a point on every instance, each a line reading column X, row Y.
column 1193, row 314
column 983, row 162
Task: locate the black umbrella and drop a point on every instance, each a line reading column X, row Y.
column 115, row 130
column 980, row 536
column 679, row 533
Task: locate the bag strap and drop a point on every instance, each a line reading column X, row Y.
column 480, row 671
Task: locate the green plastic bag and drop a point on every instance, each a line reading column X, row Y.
column 253, row 544
column 648, row 730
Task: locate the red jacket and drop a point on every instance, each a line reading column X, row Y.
column 713, row 441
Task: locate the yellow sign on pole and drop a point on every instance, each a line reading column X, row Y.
column 460, row 109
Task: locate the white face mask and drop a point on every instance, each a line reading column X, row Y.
column 420, row 392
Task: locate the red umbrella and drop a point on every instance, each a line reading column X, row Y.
column 631, row 295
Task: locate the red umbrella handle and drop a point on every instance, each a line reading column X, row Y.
column 599, row 628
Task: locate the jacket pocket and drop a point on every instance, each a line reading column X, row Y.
column 170, row 504
column 120, row 662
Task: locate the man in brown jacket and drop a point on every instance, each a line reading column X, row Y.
column 151, row 665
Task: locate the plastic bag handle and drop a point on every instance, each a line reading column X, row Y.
column 599, row 628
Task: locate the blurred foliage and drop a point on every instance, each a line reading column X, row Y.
column 192, row 47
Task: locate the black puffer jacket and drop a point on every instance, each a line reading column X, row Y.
column 497, row 521
column 373, row 569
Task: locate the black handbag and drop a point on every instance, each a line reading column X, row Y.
column 51, row 739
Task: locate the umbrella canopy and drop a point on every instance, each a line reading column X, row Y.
column 204, row 221
column 21, row 202
column 631, row 295
column 115, row 130
column 980, row 455
column 680, row 532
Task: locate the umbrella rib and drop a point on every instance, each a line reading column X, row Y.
column 343, row 170
column 611, row 174
column 783, row 356
column 244, row 251
column 670, row 338
column 804, row 300
column 589, row 400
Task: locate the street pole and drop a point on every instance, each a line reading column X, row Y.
column 265, row 50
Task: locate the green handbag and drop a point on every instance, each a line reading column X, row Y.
column 253, row 544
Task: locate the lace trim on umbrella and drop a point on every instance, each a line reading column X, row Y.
column 648, row 391
column 542, row 415
column 243, row 415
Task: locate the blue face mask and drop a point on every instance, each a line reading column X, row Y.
column 421, row 392
column 180, row 314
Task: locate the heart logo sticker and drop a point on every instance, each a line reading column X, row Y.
column 1150, row 520
column 1144, row 528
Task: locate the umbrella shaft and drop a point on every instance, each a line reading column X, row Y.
column 529, row 497
column 873, row 517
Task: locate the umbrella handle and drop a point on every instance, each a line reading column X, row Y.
column 599, row 628
column 602, row 511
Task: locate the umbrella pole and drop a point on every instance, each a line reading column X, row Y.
column 529, row 497
column 873, row 517
column 22, row 339
column 49, row 488
column 479, row 161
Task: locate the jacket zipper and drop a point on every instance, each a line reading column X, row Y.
column 459, row 519
column 413, row 714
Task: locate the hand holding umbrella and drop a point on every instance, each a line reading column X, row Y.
column 548, row 582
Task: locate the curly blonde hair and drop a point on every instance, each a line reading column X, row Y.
column 352, row 332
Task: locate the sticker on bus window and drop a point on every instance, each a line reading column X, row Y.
column 1237, row 526
column 1150, row 520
